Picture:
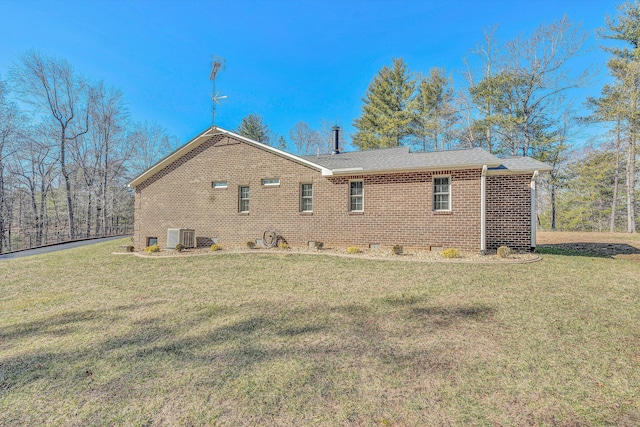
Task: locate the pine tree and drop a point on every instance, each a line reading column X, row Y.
column 282, row 144
column 253, row 127
column 387, row 109
column 434, row 109
column 624, row 66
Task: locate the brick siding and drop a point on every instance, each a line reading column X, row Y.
column 397, row 207
column 508, row 212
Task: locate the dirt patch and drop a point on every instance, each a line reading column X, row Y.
column 607, row 245
column 409, row 254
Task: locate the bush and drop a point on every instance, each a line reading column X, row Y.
column 397, row 249
column 283, row 245
column 451, row 253
column 152, row 248
column 504, row 252
column 318, row 245
column 353, row 250
column 216, row 247
column 129, row 248
column 179, row 247
column 251, row 244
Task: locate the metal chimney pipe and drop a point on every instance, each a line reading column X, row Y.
column 336, row 140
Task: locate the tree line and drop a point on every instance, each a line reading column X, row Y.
column 68, row 146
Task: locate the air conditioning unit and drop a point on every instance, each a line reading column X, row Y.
column 185, row 236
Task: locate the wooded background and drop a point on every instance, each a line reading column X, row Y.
column 68, row 144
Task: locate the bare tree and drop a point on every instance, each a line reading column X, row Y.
column 55, row 90
column 147, row 143
column 106, row 136
column 306, row 140
column 34, row 165
column 11, row 122
column 539, row 64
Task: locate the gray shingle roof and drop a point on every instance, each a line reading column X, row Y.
column 524, row 164
column 398, row 159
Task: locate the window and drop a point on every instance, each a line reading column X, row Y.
column 356, row 196
column 306, row 197
column 243, row 205
column 442, row 193
column 219, row 184
column 271, row 181
column 152, row 241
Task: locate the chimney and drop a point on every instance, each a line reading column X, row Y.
column 336, row 140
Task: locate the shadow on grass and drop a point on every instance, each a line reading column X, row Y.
column 120, row 366
column 63, row 323
column 588, row 249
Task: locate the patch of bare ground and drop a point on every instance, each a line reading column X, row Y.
column 598, row 244
column 409, row 254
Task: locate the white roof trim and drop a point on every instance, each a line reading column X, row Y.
column 204, row 136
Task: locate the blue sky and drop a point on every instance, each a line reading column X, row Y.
column 289, row 61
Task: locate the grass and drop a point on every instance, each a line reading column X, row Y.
column 89, row 338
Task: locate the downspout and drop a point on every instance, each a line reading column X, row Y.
column 483, row 211
column 534, row 222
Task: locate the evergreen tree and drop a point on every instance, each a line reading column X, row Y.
column 282, row 144
column 435, row 111
column 387, row 114
column 253, row 127
column 624, row 66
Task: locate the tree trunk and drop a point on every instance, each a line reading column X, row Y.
column 2, row 209
column 489, row 148
column 631, row 184
column 34, row 208
column 67, row 183
column 89, row 206
column 616, row 179
column 43, row 207
column 553, row 207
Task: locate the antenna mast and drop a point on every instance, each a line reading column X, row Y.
column 217, row 64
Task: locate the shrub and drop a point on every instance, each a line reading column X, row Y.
column 251, row 244
column 504, row 252
column 397, row 249
column 318, row 245
column 152, row 248
column 353, row 250
column 129, row 248
column 283, row 245
column 451, row 253
column 216, row 247
column 179, row 247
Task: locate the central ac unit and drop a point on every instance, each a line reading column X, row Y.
column 184, row 236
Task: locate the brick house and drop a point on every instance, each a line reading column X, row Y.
column 231, row 189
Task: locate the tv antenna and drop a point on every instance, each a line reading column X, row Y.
column 217, row 64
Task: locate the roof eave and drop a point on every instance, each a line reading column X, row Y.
column 518, row 171
column 356, row 171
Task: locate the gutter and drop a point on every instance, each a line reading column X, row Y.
column 483, row 211
column 534, row 223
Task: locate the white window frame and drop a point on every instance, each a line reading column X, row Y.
column 244, row 199
column 303, row 197
column 440, row 193
column 351, row 196
column 270, row 182
column 219, row 185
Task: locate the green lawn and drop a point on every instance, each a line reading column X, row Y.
column 90, row 338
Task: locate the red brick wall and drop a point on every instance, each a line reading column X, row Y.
column 509, row 211
column 397, row 207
